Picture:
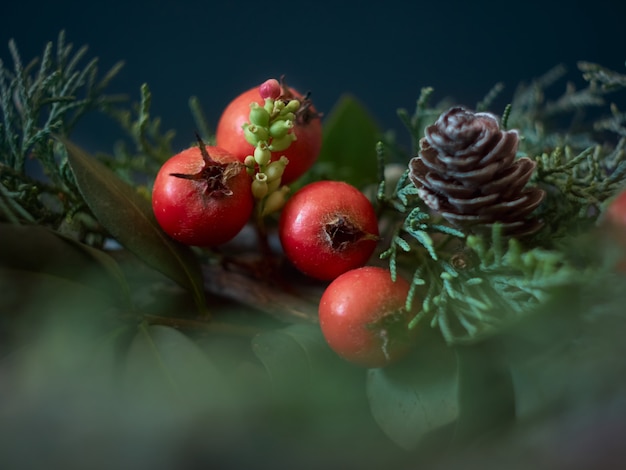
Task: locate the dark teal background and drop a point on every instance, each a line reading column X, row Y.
column 381, row 51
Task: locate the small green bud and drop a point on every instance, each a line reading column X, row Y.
column 275, row 201
column 282, row 143
column 291, row 107
column 254, row 134
column 276, row 169
column 259, row 115
column 280, row 128
column 279, row 105
column 273, row 185
column 249, row 161
column 259, row 186
column 262, row 154
column 286, row 117
column 249, row 135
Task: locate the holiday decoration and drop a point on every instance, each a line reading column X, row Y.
column 467, row 171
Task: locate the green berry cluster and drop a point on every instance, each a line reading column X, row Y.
column 270, row 129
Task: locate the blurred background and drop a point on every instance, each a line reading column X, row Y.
column 382, row 52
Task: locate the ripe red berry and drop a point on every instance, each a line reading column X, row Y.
column 328, row 228
column 202, row 201
column 616, row 211
column 302, row 153
column 363, row 317
column 615, row 226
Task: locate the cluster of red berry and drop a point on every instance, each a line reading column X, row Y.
column 266, row 138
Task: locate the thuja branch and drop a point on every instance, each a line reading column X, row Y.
column 490, row 282
column 47, row 96
column 577, row 185
column 152, row 146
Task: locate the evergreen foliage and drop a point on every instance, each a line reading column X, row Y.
column 508, row 327
column 43, row 102
column 471, row 286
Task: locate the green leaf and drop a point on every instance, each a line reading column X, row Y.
column 46, row 276
column 416, row 397
column 349, row 147
column 314, row 392
column 167, row 368
column 486, row 393
column 129, row 218
column 40, row 250
column 571, row 347
column 31, row 300
column 293, row 356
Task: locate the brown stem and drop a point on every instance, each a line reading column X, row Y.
column 267, row 297
column 203, row 151
column 262, row 238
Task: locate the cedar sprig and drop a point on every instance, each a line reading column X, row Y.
column 48, row 95
column 577, row 185
column 201, row 121
column 547, row 123
column 423, row 116
column 488, row 100
column 616, row 122
column 486, row 285
column 470, row 287
column 53, row 97
column 151, row 146
column 418, row 240
column 609, row 80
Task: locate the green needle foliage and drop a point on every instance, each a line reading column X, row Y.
column 583, row 168
column 423, row 116
column 515, row 315
column 607, row 81
column 467, row 287
column 577, row 186
column 470, row 287
column 152, row 147
column 47, row 96
column 40, row 105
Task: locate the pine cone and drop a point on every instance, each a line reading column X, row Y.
column 467, row 171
